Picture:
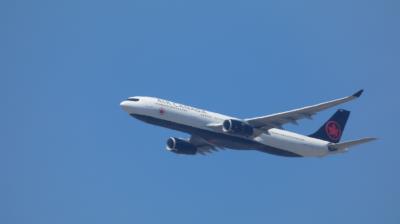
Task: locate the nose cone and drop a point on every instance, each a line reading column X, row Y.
column 125, row 105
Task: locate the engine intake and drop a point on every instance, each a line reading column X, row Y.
column 180, row 146
column 237, row 127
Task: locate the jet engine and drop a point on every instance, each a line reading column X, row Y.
column 180, row 146
column 237, row 127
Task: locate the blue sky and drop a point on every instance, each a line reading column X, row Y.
column 69, row 154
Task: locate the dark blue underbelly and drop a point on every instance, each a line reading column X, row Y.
column 219, row 139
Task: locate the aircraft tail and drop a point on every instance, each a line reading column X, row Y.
column 332, row 130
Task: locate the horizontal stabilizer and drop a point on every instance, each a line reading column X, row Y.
column 348, row 144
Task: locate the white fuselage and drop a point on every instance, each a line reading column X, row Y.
column 170, row 112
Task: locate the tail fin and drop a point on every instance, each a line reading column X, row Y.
column 332, row 130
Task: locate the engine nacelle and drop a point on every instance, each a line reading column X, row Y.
column 237, row 127
column 180, row 146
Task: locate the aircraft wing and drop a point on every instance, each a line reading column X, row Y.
column 279, row 119
column 203, row 146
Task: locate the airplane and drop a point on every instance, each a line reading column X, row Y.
column 212, row 131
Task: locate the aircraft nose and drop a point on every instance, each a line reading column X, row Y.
column 124, row 104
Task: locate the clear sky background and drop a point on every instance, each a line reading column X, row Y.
column 69, row 154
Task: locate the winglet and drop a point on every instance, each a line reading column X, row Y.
column 358, row 94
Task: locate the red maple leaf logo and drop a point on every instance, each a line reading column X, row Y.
column 162, row 111
column 333, row 130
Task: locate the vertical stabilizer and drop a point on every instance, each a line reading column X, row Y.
column 333, row 129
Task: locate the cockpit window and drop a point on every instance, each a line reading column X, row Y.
column 133, row 99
